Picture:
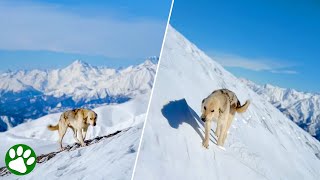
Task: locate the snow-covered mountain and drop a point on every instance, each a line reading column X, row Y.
column 112, row 158
column 31, row 94
column 262, row 143
column 301, row 107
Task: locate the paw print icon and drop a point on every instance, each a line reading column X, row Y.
column 20, row 159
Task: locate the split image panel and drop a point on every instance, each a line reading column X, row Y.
column 215, row 55
column 82, row 67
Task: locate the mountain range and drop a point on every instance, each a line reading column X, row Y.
column 30, row 94
column 301, row 107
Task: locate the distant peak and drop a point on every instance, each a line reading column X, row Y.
column 153, row 59
column 78, row 63
column 269, row 86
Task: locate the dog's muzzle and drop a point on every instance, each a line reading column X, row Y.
column 203, row 119
column 94, row 124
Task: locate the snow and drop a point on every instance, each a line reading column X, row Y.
column 34, row 93
column 262, row 143
column 112, row 158
column 82, row 80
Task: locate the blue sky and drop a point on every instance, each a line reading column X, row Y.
column 51, row 34
column 276, row 42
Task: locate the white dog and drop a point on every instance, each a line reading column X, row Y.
column 78, row 120
column 220, row 106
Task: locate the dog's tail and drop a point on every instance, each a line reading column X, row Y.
column 243, row 108
column 53, row 128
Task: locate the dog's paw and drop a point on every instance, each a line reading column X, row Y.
column 205, row 144
column 221, row 147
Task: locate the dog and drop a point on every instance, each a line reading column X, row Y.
column 78, row 120
column 220, row 106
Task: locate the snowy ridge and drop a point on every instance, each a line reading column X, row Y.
column 116, row 154
column 301, row 107
column 262, row 143
column 32, row 94
column 43, row 158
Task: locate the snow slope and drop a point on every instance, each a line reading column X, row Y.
column 262, row 143
column 110, row 159
column 301, row 107
column 32, row 94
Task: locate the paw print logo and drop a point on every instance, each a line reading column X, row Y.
column 20, row 159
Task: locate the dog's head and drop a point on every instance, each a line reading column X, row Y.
column 210, row 109
column 92, row 118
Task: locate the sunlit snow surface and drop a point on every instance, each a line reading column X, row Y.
column 262, row 143
column 112, row 158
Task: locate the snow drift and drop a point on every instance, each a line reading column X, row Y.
column 262, row 143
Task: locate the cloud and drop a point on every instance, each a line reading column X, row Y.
column 284, row 71
column 46, row 27
column 255, row 64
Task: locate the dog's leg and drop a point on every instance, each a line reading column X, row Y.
column 62, row 132
column 222, row 123
column 217, row 131
column 79, row 132
column 224, row 134
column 221, row 126
column 205, row 142
column 75, row 135
column 230, row 119
column 84, row 132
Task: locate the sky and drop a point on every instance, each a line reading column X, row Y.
column 267, row 41
column 51, row 34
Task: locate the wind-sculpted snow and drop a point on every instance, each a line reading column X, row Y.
column 262, row 143
column 302, row 108
column 27, row 95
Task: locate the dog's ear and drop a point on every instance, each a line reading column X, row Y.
column 85, row 116
column 203, row 101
